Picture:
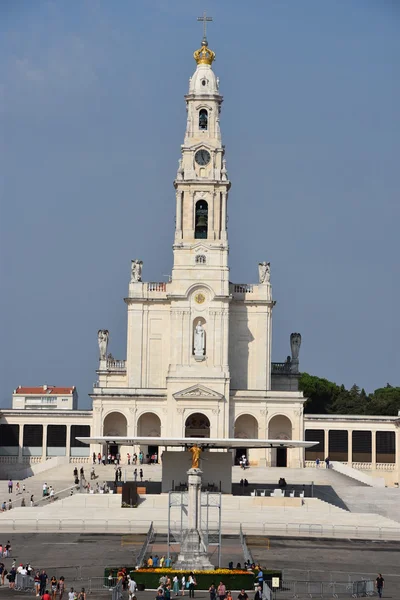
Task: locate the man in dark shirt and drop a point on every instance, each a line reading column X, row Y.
column 380, row 584
column 258, row 594
column 242, row 595
column 43, row 582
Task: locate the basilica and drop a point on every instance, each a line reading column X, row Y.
column 198, row 358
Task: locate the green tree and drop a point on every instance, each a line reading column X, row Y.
column 320, row 393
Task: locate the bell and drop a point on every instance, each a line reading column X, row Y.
column 202, row 221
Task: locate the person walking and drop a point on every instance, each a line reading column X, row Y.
column 183, row 585
column 327, row 462
column 380, row 584
column 53, row 586
column 221, row 591
column 175, row 585
column 43, row 582
column 10, row 486
column 135, row 475
column 141, row 475
column 317, row 463
column 192, row 583
column 212, row 591
column 36, row 582
column 61, row 587
column 71, row 594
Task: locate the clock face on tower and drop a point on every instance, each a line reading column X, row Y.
column 202, row 157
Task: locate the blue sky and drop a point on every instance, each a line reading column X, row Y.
column 92, row 116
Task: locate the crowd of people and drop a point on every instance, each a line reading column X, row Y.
column 131, row 459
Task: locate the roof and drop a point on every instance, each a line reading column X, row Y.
column 204, row 442
column 44, row 389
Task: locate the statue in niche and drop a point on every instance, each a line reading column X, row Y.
column 295, row 343
column 136, row 270
column 264, row 272
column 199, row 340
column 196, row 452
column 102, row 338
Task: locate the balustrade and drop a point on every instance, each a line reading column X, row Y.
column 243, row 288
column 116, row 365
column 155, row 286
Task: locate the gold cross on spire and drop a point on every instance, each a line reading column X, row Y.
column 204, row 18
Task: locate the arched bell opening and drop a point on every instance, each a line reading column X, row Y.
column 203, row 119
column 201, row 220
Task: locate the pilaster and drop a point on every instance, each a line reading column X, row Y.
column 350, row 447
column 373, row 450
column 44, row 443
column 20, row 441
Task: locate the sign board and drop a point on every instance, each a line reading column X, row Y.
column 275, row 582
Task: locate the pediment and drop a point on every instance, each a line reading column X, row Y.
column 199, row 247
column 199, row 392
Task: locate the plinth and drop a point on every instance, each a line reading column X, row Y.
column 193, row 553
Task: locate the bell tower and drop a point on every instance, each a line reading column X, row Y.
column 201, row 183
column 199, row 288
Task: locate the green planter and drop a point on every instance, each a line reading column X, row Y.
column 233, row 581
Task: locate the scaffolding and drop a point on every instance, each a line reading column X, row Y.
column 210, row 521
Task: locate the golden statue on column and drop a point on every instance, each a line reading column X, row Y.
column 196, row 451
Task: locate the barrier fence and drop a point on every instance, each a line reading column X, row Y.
column 323, row 589
column 141, row 526
column 286, row 589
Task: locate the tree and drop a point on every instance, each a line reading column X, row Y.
column 326, row 397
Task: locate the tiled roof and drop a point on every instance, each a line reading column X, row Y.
column 49, row 389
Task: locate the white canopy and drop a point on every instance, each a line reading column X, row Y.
column 203, row 442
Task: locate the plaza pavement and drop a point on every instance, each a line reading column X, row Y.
column 98, row 513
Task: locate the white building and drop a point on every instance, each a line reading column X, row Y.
column 45, row 397
column 198, row 359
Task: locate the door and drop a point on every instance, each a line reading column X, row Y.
column 113, row 449
column 239, row 453
column 153, row 450
column 281, row 457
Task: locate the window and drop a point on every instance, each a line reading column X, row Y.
column 200, row 259
column 201, row 220
column 203, row 82
column 203, row 119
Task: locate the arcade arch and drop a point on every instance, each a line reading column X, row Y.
column 115, row 424
column 246, row 427
column 197, row 425
column 279, row 428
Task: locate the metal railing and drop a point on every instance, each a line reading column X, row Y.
column 248, row 557
column 146, row 543
column 323, row 589
column 140, row 526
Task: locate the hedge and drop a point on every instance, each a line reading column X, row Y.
column 233, row 581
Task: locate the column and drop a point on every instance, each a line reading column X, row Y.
column 223, row 216
column 210, row 232
column 44, row 443
column 350, row 448
column 192, row 216
column 178, row 214
column 326, row 443
column 373, row 450
column 68, row 442
column 20, row 442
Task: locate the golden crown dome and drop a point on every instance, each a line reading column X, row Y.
column 204, row 56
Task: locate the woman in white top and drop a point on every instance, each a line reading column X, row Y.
column 183, row 584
